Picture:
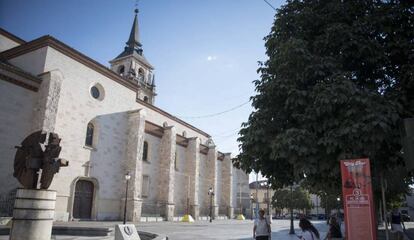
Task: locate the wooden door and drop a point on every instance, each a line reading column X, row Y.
column 82, row 205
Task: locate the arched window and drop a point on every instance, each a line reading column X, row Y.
column 89, row 135
column 145, row 99
column 145, row 152
column 121, row 70
column 141, row 75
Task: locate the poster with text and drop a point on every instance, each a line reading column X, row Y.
column 358, row 200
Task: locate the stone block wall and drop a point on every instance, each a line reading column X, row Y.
column 16, row 106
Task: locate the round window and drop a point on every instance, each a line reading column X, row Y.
column 95, row 92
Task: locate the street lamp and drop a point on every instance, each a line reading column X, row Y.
column 127, row 177
column 211, row 193
column 251, row 205
column 338, row 213
column 268, row 201
column 292, row 229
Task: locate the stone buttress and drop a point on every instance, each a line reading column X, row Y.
column 44, row 117
column 227, row 184
column 133, row 164
column 193, row 171
column 167, row 173
column 212, row 176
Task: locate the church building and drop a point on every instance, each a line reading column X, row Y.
column 110, row 127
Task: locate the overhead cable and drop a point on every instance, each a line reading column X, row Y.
column 218, row 113
column 270, row 5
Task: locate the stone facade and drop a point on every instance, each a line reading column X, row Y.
column 47, row 85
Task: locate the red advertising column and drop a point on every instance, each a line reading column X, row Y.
column 358, row 199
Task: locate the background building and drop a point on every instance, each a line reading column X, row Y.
column 261, row 197
column 261, row 194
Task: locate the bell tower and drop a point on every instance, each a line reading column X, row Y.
column 132, row 65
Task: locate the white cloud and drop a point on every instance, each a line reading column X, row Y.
column 211, row 58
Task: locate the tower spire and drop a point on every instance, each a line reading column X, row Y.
column 133, row 41
column 132, row 65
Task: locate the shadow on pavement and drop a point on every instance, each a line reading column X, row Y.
column 283, row 233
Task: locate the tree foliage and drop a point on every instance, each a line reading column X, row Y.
column 338, row 81
column 299, row 199
column 330, row 202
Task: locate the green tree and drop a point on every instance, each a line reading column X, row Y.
column 298, row 199
column 330, row 202
column 338, row 81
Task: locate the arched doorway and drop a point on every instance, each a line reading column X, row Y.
column 82, row 205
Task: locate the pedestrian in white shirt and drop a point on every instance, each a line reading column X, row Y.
column 309, row 232
column 261, row 229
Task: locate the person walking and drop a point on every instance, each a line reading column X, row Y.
column 334, row 232
column 261, row 229
column 309, row 232
column 397, row 224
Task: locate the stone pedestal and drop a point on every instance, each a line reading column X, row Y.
column 134, row 208
column 195, row 211
column 126, row 232
column 169, row 212
column 215, row 211
column 230, row 212
column 33, row 214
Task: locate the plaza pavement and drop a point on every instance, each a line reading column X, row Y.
column 219, row 229
column 225, row 230
column 203, row 230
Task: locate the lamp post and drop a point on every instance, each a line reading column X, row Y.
column 211, row 193
column 268, row 202
column 240, row 199
column 127, row 177
column 292, row 229
column 317, row 206
column 337, row 212
column 251, row 205
column 256, row 212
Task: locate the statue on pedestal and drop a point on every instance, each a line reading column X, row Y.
column 40, row 150
column 33, row 213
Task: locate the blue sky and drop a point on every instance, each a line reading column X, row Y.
column 205, row 52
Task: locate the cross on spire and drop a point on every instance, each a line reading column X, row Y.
column 133, row 41
column 136, row 4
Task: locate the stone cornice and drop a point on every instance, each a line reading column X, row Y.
column 166, row 114
column 204, row 149
column 18, row 83
column 49, row 41
column 14, row 75
column 12, row 36
column 158, row 131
